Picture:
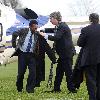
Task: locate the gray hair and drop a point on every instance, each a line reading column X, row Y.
column 56, row 15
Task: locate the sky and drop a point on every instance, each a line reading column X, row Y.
column 45, row 7
column 66, row 7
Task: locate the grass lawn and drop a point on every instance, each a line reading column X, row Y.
column 8, row 87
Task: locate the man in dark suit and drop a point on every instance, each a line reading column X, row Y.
column 27, row 50
column 64, row 49
column 89, row 40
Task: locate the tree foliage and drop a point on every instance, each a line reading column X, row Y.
column 12, row 3
column 84, row 7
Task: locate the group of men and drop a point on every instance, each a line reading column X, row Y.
column 32, row 45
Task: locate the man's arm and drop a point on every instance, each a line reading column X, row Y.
column 48, row 50
column 57, row 35
column 14, row 37
column 82, row 38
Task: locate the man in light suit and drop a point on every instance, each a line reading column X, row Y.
column 27, row 50
column 89, row 40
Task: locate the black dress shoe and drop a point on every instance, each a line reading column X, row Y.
column 55, row 91
column 19, row 90
column 37, row 85
column 73, row 91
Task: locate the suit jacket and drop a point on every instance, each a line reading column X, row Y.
column 22, row 33
column 40, row 48
column 40, row 68
column 45, row 48
column 63, row 40
column 89, row 40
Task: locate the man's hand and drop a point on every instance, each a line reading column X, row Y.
column 42, row 33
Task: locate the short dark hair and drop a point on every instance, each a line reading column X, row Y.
column 94, row 17
column 33, row 22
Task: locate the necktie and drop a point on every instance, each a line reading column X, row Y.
column 29, row 44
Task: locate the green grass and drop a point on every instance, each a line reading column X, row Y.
column 8, row 87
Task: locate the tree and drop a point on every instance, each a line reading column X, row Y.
column 84, row 7
column 12, row 3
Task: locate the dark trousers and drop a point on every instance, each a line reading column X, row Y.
column 40, row 71
column 24, row 60
column 93, row 81
column 64, row 65
column 98, row 82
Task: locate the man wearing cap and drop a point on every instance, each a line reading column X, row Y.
column 89, row 40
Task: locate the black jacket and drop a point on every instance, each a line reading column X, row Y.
column 89, row 40
column 63, row 40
